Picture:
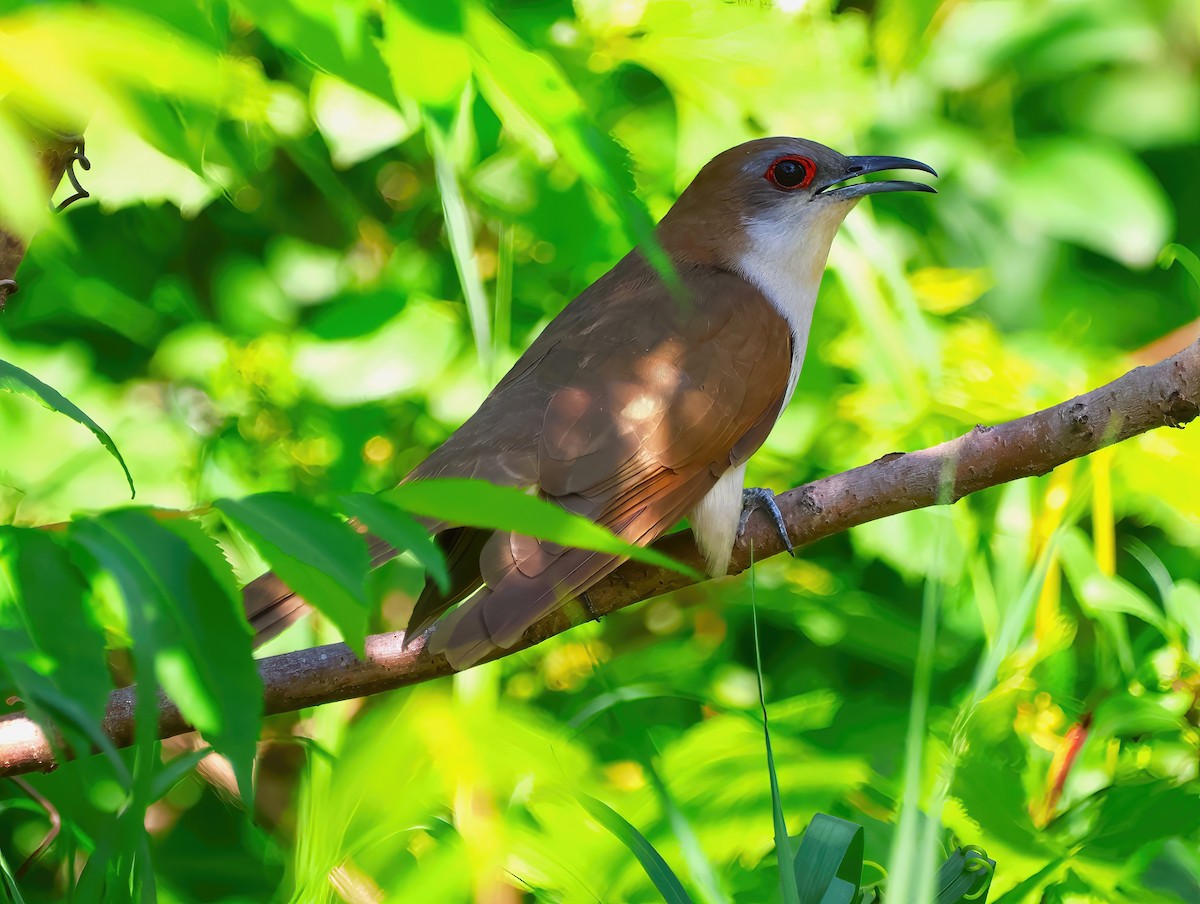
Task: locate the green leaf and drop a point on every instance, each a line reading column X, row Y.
column 333, row 37
column 700, row 869
column 965, row 877
column 399, row 529
column 1183, row 607
column 1099, row 592
column 13, row 379
column 175, row 771
column 10, row 881
column 656, row 868
column 1096, row 195
column 1138, row 814
column 179, row 598
column 829, row 862
column 477, row 503
column 1185, row 256
column 314, row 552
column 425, row 52
column 537, row 103
column 42, row 597
column 1124, row 716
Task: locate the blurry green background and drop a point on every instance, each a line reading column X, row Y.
column 321, row 229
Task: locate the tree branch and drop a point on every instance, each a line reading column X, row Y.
column 1165, row 394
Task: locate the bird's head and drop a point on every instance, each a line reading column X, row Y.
column 782, row 190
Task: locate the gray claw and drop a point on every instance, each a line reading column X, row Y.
column 760, row 498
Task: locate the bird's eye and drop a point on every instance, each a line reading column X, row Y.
column 792, row 172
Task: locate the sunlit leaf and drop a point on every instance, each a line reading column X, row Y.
column 425, row 52
column 1096, row 195
column 534, row 99
column 52, row 637
column 170, row 578
column 13, row 379
column 1100, row 592
column 330, row 36
column 476, row 503
column 314, row 553
column 400, row 530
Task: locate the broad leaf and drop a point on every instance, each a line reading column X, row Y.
column 331, row 37
column 1100, row 592
column 179, row 597
column 424, row 49
column 536, row 102
column 13, row 379
column 51, row 638
column 829, row 862
column 314, row 552
column 399, row 529
column 476, row 503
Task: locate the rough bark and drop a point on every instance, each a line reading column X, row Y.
column 1166, row 394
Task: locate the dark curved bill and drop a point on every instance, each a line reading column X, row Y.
column 861, row 166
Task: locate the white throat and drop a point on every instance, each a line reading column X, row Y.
column 785, row 261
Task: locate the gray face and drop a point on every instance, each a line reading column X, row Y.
column 778, row 171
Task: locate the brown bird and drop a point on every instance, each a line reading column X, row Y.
column 640, row 404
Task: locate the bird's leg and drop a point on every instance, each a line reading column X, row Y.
column 586, row 602
column 760, row 498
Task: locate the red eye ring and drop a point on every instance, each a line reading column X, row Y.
column 791, row 178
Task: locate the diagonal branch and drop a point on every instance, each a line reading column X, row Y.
column 1166, row 394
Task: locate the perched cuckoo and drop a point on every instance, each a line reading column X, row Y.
column 641, row 402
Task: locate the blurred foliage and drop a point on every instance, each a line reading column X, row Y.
column 320, row 229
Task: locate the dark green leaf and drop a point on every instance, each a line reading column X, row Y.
column 476, row 503
column 831, row 850
column 178, row 596
column 529, row 91
column 13, row 379
column 1185, row 256
column 42, row 598
column 326, row 36
column 174, row 771
column 314, row 552
column 399, row 529
column 656, row 868
column 965, row 877
column 1131, row 816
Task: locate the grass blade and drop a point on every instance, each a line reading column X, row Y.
column 656, row 868
column 462, row 243
column 783, row 844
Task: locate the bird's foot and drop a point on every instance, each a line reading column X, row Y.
column 586, row 601
column 760, row 498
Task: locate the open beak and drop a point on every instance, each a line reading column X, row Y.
column 860, row 166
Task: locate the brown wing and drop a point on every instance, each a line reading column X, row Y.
column 626, row 411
